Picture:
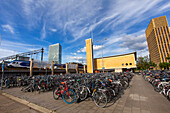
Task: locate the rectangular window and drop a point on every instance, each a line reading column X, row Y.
column 166, row 52
column 168, row 37
column 162, row 43
column 159, row 44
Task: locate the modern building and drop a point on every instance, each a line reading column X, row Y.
column 89, row 55
column 158, row 39
column 117, row 63
column 55, row 53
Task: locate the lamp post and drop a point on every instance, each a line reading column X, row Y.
column 102, row 51
column 2, row 74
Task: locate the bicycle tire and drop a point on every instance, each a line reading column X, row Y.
column 72, row 94
column 96, row 96
column 56, row 93
column 83, row 95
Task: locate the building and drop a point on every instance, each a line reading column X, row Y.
column 117, row 63
column 158, row 39
column 55, row 53
column 22, row 58
column 89, row 55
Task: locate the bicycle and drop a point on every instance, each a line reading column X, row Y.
column 69, row 96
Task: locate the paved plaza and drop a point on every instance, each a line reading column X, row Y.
column 10, row 106
column 139, row 98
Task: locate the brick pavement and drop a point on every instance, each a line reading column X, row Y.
column 139, row 98
column 9, row 106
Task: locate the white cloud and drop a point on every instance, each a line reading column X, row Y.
column 9, row 28
column 53, row 30
column 11, row 48
column 74, row 53
column 165, row 7
column 134, row 42
column 6, row 52
column 77, row 58
column 111, row 51
column 95, row 48
column 43, row 32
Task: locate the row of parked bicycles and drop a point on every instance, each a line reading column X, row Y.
column 160, row 80
column 102, row 88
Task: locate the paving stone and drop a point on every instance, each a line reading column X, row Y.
column 145, row 111
column 140, row 97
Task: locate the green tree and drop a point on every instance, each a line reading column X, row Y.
column 153, row 64
column 164, row 65
column 143, row 63
column 161, row 65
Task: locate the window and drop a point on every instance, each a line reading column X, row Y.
column 126, row 64
column 122, row 64
column 130, row 63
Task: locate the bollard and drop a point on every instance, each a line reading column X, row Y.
column 31, row 66
column 84, row 68
column 77, row 68
column 52, row 68
column 66, row 68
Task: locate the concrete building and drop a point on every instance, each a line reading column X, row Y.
column 158, row 39
column 117, row 63
column 89, row 55
column 55, row 53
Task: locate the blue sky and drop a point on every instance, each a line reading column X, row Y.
column 32, row 24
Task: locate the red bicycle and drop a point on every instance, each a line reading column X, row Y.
column 69, row 96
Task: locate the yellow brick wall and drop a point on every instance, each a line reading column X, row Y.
column 158, row 39
column 115, row 62
column 89, row 55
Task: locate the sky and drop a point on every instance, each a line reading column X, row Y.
column 26, row 25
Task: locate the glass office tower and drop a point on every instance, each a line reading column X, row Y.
column 55, row 53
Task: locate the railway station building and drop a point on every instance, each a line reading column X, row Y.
column 117, row 63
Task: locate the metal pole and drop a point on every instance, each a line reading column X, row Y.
column 2, row 74
column 42, row 51
column 52, row 67
column 102, row 58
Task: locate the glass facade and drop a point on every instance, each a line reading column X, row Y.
column 55, row 53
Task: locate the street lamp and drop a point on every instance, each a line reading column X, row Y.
column 102, row 51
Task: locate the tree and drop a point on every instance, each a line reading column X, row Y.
column 161, row 65
column 153, row 64
column 164, row 65
column 143, row 63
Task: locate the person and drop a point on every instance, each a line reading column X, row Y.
column 7, row 82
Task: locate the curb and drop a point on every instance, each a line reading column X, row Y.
column 29, row 104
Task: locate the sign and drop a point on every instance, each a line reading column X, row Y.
column 72, row 66
column 103, row 67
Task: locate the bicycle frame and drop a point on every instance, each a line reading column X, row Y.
column 65, row 88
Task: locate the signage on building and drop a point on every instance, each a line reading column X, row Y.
column 72, row 66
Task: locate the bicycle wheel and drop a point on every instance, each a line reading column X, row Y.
column 69, row 97
column 56, row 93
column 83, row 93
column 100, row 98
